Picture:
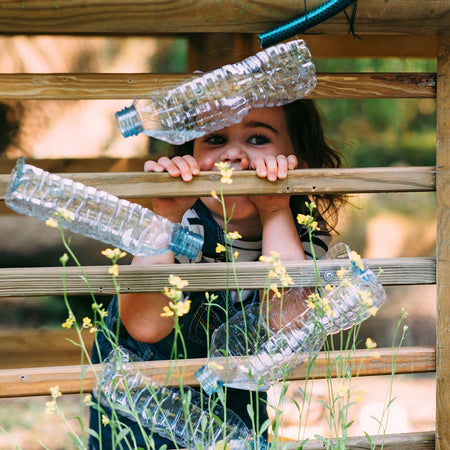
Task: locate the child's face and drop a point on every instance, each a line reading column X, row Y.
column 258, row 139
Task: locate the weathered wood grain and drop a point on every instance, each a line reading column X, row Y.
column 37, row 381
column 26, row 282
column 81, row 86
column 305, row 181
column 184, row 16
column 443, row 247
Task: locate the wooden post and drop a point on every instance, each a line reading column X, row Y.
column 443, row 244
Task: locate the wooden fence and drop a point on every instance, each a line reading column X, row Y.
column 410, row 21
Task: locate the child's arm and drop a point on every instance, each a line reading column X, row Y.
column 280, row 235
column 141, row 312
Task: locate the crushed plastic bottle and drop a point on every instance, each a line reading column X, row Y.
column 179, row 417
column 97, row 214
column 217, row 99
column 248, row 353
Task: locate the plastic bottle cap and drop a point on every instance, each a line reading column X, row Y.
column 129, row 122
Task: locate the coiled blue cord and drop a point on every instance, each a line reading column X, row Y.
column 302, row 23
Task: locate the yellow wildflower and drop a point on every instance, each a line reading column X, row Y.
column 51, row 222
column 87, row 322
column 93, row 330
column 181, row 308
column 173, row 294
column 356, row 258
column 342, row 390
column 68, row 323
column 114, row 270
column 214, row 365
column 225, row 171
column 113, row 254
column 236, row 254
column 178, row 282
column 277, row 269
column 99, row 308
column 167, row 312
column 220, row 248
column 222, row 445
column 366, row 298
column 87, row 398
column 50, row 407
column 67, row 215
column 54, row 391
column 105, row 420
column 303, row 219
column 359, row 395
column 341, row 273
column 329, row 288
column 372, row 310
column 274, row 289
column 370, row 344
column 234, row 235
column 214, row 195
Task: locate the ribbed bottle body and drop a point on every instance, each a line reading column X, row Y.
column 94, row 213
column 222, row 97
column 178, row 415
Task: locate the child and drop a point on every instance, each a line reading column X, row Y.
column 270, row 141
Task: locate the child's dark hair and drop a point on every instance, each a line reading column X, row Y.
column 305, row 128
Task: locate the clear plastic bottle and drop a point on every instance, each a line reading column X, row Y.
column 97, row 214
column 257, row 355
column 217, row 99
column 180, row 417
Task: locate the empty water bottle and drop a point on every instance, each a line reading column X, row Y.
column 178, row 415
column 217, row 99
column 249, row 353
column 97, row 214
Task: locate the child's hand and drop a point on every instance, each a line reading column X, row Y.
column 274, row 167
column 185, row 166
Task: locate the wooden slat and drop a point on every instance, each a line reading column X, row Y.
column 408, row 441
column 185, row 16
column 371, row 46
column 26, row 282
column 304, row 181
column 41, row 348
column 71, row 86
column 37, row 381
column 443, row 247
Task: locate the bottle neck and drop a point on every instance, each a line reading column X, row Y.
column 129, row 122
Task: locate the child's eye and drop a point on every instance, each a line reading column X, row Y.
column 258, row 140
column 215, row 139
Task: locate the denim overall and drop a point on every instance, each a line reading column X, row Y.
column 193, row 326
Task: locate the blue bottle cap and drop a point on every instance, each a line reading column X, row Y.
column 129, row 122
column 186, row 243
column 208, row 379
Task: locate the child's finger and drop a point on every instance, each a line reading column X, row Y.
column 292, row 162
column 259, row 165
column 193, row 164
column 169, row 166
column 153, row 166
column 282, row 167
column 272, row 167
column 184, row 167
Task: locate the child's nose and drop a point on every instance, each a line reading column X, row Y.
column 237, row 157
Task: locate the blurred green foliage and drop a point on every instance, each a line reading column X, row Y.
column 381, row 132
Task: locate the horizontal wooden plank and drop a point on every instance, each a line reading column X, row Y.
column 372, row 46
column 72, row 86
column 408, row 441
column 304, row 181
column 41, row 348
column 185, row 16
column 39, row 281
column 37, row 381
